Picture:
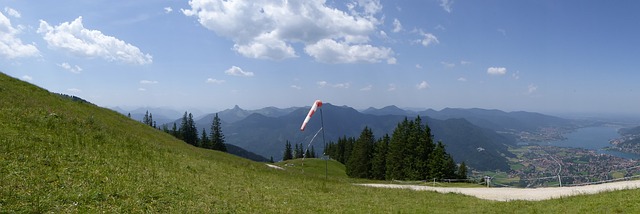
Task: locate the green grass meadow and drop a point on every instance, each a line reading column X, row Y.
column 61, row 156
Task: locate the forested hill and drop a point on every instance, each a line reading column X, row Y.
column 480, row 148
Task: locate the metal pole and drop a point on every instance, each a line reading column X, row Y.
column 326, row 161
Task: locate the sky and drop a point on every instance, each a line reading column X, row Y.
column 544, row 56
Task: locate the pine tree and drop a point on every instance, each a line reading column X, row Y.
column 379, row 160
column 462, row 171
column 204, row 140
column 217, row 137
column 129, row 115
column 174, row 131
column 307, row 154
column 188, row 130
column 397, row 151
column 150, row 121
column 441, row 164
column 145, row 119
column 271, row 160
column 313, row 152
column 288, row 153
column 359, row 163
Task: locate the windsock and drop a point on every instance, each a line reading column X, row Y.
column 313, row 109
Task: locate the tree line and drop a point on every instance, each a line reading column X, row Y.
column 297, row 152
column 408, row 154
column 189, row 133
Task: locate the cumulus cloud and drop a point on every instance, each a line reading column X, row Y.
column 267, row 29
column 462, row 79
column 429, row 39
column 531, row 88
column 462, row 62
column 418, row 66
column 75, row 38
column 397, row 26
column 11, row 46
column 26, row 78
column 214, row 81
column 448, row 64
column 446, row 5
column 142, row 89
column 496, row 70
column 168, row 10
column 516, row 75
column 148, row 82
column 74, row 90
column 392, row 87
column 73, row 69
column 323, row 84
column 367, row 88
column 12, row 12
column 296, row 87
column 330, row 51
column 422, row 85
column 237, row 71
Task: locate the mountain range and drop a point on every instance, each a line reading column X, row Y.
column 476, row 136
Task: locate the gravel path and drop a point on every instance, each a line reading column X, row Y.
column 510, row 194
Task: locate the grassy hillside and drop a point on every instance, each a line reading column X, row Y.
column 57, row 155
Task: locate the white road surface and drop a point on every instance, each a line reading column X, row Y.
column 510, row 194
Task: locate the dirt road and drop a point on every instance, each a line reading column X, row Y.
column 510, row 194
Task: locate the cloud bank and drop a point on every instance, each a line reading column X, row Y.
column 265, row 29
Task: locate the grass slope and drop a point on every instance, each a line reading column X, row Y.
column 61, row 156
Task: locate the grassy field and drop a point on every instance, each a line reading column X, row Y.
column 61, row 156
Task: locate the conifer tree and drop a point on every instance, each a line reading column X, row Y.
column 462, row 171
column 313, row 152
column 359, row 163
column 150, row 121
column 145, row 119
column 397, row 151
column 288, row 153
column 204, row 140
column 217, row 137
column 307, row 154
column 379, row 160
column 174, row 131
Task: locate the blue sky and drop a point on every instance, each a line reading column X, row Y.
column 545, row 56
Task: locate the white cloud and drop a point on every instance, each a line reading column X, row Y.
column 429, row 39
column 73, row 69
column 384, row 34
column 532, row 88
column 462, row 62
column 496, row 70
column 367, row 88
column 502, row 31
column 142, row 89
column 516, row 75
column 75, row 38
column 462, row 79
column 148, row 82
column 27, row 78
column 392, row 87
column 11, row 46
column 448, row 64
column 422, row 85
column 214, row 81
column 168, row 10
column 74, row 90
column 237, row 71
column 322, row 84
column 12, row 12
column 397, row 26
column 446, row 5
column 267, row 29
column 330, row 51
column 296, row 87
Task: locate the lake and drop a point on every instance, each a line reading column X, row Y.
column 593, row 138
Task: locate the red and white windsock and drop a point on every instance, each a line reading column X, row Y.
column 313, row 109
